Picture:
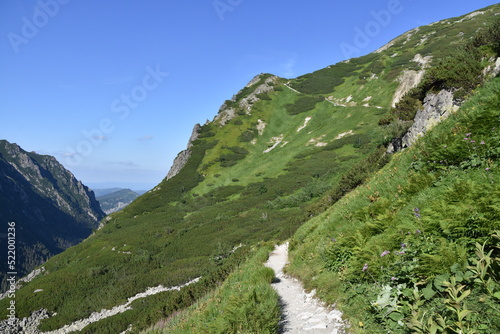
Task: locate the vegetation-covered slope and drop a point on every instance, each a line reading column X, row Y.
column 278, row 154
column 385, row 251
column 51, row 210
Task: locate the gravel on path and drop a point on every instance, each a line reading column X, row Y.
column 301, row 311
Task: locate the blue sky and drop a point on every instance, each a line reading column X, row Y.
column 113, row 88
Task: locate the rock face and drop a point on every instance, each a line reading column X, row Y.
column 27, row 325
column 410, row 78
column 227, row 113
column 51, row 209
column 492, row 70
column 182, row 158
column 437, row 106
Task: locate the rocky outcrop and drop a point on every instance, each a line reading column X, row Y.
column 226, row 112
column 182, row 158
column 52, row 210
column 492, row 70
column 28, row 325
column 437, row 106
column 268, row 85
column 410, row 78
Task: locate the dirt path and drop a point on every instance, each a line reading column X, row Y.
column 301, row 312
column 296, row 91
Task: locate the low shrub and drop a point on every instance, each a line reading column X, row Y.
column 303, row 104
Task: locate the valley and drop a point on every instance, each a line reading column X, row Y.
column 378, row 176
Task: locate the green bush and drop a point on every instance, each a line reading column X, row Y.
column 248, row 135
column 264, row 96
column 303, row 104
column 230, row 159
column 324, row 81
column 462, row 71
column 407, row 108
column 489, row 36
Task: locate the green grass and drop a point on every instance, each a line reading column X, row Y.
column 429, row 217
column 245, row 303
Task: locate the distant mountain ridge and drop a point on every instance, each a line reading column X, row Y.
column 102, row 192
column 116, row 200
column 51, row 209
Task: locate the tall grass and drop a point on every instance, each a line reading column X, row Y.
column 244, row 303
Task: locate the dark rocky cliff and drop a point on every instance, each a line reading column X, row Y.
column 51, row 209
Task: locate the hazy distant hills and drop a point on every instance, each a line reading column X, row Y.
column 115, row 199
column 51, row 209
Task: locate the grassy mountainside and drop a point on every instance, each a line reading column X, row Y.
column 384, row 252
column 278, row 154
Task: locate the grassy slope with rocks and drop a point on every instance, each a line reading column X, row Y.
column 414, row 248
column 322, row 141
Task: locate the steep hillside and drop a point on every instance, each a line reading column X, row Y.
column 116, row 200
column 50, row 208
column 417, row 247
column 279, row 153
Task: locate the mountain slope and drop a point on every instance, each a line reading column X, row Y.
column 279, row 153
column 384, row 252
column 116, row 200
column 50, row 208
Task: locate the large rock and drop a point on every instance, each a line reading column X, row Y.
column 227, row 113
column 182, row 158
column 436, row 108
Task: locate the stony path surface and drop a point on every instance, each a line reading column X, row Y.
column 103, row 314
column 301, row 312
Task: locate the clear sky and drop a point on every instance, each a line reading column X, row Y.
column 113, row 88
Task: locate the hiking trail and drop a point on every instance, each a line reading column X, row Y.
column 300, row 311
